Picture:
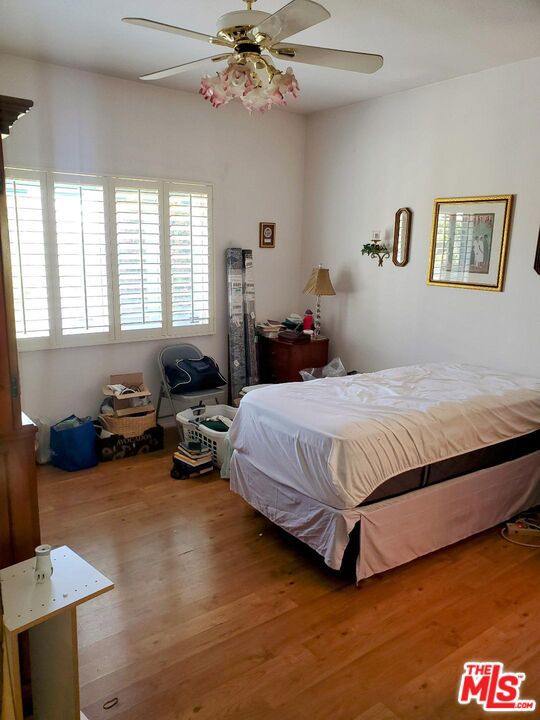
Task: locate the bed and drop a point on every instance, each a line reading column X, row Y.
column 396, row 463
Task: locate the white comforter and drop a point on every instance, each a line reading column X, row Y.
column 337, row 439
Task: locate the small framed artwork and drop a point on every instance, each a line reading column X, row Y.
column 469, row 242
column 267, row 235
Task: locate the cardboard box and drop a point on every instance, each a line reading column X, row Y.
column 130, row 410
column 129, row 380
column 123, row 405
column 117, row 446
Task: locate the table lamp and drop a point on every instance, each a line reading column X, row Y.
column 319, row 283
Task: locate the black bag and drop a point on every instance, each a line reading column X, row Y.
column 187, row 376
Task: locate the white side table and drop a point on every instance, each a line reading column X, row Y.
column 49, row 612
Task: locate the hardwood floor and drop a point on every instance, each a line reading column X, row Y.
column 218, row 614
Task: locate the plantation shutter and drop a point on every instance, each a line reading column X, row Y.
column 138, row 248
column 98, row 259
column 28, row 255
column 81, row 244
column 189, row 232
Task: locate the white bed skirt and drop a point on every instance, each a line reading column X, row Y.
column 393, row 532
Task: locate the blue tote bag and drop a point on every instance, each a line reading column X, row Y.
column 74, row 448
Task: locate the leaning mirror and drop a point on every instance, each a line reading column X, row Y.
column 402, row 235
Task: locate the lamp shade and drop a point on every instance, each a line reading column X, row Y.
column 319, row 283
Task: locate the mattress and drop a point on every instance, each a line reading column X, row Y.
column 337, row 440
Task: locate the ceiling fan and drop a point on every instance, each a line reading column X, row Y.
column 253, row 38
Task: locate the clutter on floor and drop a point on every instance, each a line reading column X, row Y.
column 113, row 446
column 125, row 427
column 192, row 459
column 127, row 422
column 73, row 444
column 209, row 426
column 126, row 395
column 126, row 409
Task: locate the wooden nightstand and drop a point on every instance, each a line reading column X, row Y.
column 281, row 361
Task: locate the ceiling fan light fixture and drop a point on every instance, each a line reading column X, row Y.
column 252, row 37
column 241, row 80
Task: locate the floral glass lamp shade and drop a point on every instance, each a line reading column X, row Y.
column 319, row 283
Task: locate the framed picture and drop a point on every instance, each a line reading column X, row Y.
column 469, row 241
column 267, row 235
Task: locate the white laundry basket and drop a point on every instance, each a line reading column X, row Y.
column 214, row 440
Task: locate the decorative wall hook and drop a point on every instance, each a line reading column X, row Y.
column 375, row 250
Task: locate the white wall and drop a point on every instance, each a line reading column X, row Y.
column 83, row 122
column 475, row 135
column 469, row 136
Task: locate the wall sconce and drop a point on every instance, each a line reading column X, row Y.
column 374, row 249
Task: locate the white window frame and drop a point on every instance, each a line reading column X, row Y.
column 149, row 333
column 40, row 343
column 115, row 335
column 208, row 329
column 76, row 339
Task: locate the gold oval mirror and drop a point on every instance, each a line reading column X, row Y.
column 402, row 236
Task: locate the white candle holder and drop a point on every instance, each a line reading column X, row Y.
column 44, row 567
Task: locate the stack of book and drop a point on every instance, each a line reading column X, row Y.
column 192, row 459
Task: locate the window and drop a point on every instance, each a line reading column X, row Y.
column 188, row 223
column 138, row 247
column 28, row 256
column 98, row 259
column 81, row 248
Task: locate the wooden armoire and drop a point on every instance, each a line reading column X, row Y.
column 19, row 518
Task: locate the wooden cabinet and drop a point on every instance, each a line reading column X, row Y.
column 19, row 519
column 281, row 361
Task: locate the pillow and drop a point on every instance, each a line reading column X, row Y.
column 187, row 376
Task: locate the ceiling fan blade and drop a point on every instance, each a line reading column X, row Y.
column 177, row 69
column 155, row 25
column 338, row 59
column 292, row 18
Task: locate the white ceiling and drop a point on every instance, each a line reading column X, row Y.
column 423, row 41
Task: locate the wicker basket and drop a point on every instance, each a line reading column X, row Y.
column 129, row 426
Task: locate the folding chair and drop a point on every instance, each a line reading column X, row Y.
column 168, row 356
